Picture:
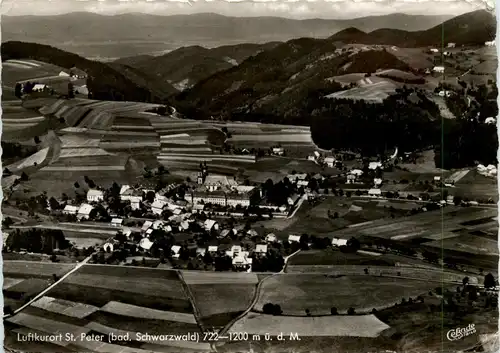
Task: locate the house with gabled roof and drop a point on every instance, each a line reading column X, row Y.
column 261, row 249
column 84, row 211
column 70, row 209
column 94, row 195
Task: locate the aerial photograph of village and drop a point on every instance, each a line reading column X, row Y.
column 309, row 178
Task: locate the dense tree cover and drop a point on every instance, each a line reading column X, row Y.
column 37, row 240
column 463, row 142
column 13, row 151
column 373, row 128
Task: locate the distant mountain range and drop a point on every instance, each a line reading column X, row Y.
column 471, row 28
column 272, row 78
column 93, row 35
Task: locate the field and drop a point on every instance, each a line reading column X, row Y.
column 356, row 326
column 372, row 90
column 318, row 257
column 319, row 293
column 22, row 70
column 219, row 303
column 315, row 220
column 467, row 243
column 24, row 279
column 84, row 239
column 113, row 299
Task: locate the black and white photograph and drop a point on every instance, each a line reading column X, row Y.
column 249, row 176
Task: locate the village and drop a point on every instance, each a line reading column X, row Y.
column 209, row 222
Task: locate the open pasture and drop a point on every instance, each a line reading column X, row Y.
column 28, row 269
column 374, row 92
column 319, row 293
column 467, row 243
column 329, row 257
column 130, row 323
column 65, row 307
column 14, row 71
column 146, row 313
column 421, row 273
column 356, row 326
column 219, row 303
column 448, row 219
column 149, row 288
column 227, row 278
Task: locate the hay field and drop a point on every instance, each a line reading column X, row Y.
column 319, row 293
column 372, row 92
column 354, row 326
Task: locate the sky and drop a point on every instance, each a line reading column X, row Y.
column 298, row 9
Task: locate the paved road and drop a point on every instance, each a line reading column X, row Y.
column 300, row 202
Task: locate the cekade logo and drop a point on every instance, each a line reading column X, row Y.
column 461, row 332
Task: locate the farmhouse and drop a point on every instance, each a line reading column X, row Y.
column 294, row 238
column 145, row 243
column 211, row 224
column 176, row 250
column 292, row 200
column 63, row 74
column 375, row 192
column 451, row 45
column 213, row 249
column 76, row 73
column 271, row 238
column 339, row 242
column 129, row 194
column 438, row 69
column 108, row 247
column 157, row 207
column 242, row 262
column 350, row 179
column 434, row 50
column 69, row 209
column 330, row 162
column 84, row 211
column 374, row 165
column 116, row 222
column 146, row 226
column 39, row 87
column 94, row 195
column 490, row 43
column 261, row 249
column 278, row 151
column 303, row 183
column 294, row 178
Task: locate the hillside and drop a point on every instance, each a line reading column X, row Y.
column 158, row 86
column 186, row 66
column 277, row 82
column 472, row 28
column 136, row 34
column 104, row 82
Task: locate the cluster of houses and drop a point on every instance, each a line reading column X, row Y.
column 328, row 161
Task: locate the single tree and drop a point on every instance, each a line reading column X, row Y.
column 334, row 311
column 351, row 311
